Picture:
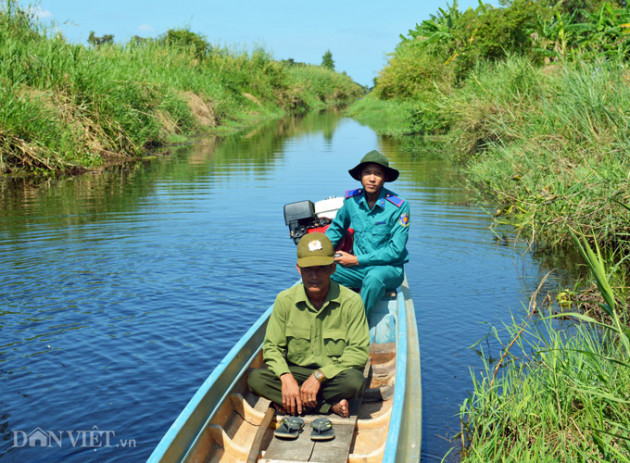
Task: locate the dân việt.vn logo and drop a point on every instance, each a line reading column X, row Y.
column 92, row 438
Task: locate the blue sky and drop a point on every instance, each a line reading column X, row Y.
column 359, row 34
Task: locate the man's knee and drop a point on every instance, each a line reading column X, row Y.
column 374, row 280
column 384, row 278
column 352, row 381
column 349, row 277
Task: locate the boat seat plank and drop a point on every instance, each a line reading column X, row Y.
column 336, row 450
column 260, row 433
column 299, row 449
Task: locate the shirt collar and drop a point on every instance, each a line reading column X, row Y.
column 334, row 295
column 380, row 202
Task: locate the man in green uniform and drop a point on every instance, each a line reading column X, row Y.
column 380, row 220
column 317, row 339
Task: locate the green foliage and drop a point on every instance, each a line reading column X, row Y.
column 65, row 106
column 97, row 41
column 438, row 29
column 540, row 30
column 584, row 34
column 187, row 40
column 412, row 73
column 533, row 96
column 327, row 61
column 555, row 156
column 318, row 87
column 493, row 34
column 603, row 32
column 462, row 39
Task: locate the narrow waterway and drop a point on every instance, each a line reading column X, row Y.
column 122, row 290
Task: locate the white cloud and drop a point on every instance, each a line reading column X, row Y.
column 40, row 13
column 145, row 29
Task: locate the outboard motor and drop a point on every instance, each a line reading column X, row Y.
column 300, row 218
column 305, row 217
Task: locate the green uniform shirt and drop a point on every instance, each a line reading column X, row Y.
column 332, row 339
column 380, row 233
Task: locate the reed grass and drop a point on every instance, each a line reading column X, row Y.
column 566, row 395
column 65, row 106
column 534, row 99
column 555, row 155
column 547, row 146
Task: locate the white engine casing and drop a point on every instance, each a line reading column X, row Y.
column 327, row 208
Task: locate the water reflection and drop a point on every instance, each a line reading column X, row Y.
column 121, row 291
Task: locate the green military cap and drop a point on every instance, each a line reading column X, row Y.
column 374, row 157
column 315, row 249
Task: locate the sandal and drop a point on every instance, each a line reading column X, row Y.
column 322, row 429
column 290, row 427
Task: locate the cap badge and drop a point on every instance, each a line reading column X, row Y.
column 315, row 245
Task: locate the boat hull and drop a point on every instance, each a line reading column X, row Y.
column 202, row 432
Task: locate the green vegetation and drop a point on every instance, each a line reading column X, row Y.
column 67, row 107
column 532, row 98
column 387, row 117
column 566, row 398
column 327, row 61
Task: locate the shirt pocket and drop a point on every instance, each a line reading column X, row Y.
column 298, row 343
column 380, row 233
column 334, row 343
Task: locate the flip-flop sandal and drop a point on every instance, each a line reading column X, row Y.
column 322, row 429
column 290, row 427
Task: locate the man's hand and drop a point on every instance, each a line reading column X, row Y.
column 346, row 259
column 308, row 392
column 291, row 400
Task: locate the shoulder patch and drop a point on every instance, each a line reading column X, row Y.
column 395, row 200
column 351, row 193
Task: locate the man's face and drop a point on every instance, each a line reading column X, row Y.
column 372, row 178
column 317, row 279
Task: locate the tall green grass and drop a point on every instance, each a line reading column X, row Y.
column 567, row 398
column 550, row 147
column 547, row 144
column 65, row 106
column 534, row 99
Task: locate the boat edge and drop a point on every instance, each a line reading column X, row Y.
column 177, row 441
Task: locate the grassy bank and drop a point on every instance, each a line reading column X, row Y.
column 386, row 117
column 548, row 146
column 535, row 107
column 563, row 395
column 67, row 107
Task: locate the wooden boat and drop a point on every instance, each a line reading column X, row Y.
column 224, row 422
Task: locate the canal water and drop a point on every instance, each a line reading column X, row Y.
column 122, row 290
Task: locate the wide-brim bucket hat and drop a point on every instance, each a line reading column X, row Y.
column 374, row 157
